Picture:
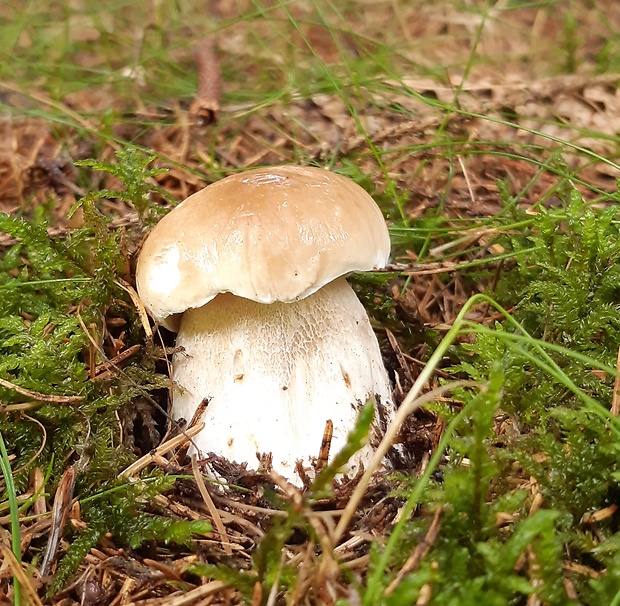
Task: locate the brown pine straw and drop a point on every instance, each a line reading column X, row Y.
column 60, row 513
column 599, row 515
column 135, row 299
column 76, row 116
column 184, row 599
column 217, row 519
column 137, row 466
column 167, row 571
column 410, row 404
column 20, row 576
column 105, row 369
column 420, row 551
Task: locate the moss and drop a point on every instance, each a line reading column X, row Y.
column 498, row 543
column 57, row 297
column 514, row 505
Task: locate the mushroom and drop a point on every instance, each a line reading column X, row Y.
column 251, row 273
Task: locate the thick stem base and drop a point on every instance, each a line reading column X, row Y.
column 274, row 374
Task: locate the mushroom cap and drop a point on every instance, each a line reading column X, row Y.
column 271, row 234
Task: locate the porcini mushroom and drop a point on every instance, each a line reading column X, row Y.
column 251, row 273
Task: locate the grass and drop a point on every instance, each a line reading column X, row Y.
column 511, row 497
column 5, row 465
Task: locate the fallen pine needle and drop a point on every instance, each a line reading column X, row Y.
column 115, row 361
column 135, row 298
column 421, row 549
column 137, row 466
column 217, row 520
column 185, row 599
column 40, row 397
column 19, row 574
column 60, row 513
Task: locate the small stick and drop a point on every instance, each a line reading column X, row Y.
column 184, row 598
column 121, row 357
column 422, row 548
column 206, row 105
column 135, row 298
column 60, row 513
column 37, row 479
column 599, row 515
column 273, row 593
column 169, row 572
column 40, row 397
column 396, row 348
column 20, row 575
column 326, row 444
column 198, row 413
column 137, row 466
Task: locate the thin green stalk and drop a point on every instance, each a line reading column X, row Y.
column 460, row 325
column 14, row 513
column 490, row 259
column 375, row 584
column 548, row 364
column 476, row 226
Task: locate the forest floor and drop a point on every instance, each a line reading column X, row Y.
column 488, row 134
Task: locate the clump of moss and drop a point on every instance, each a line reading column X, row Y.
column 58, row 297
column 515, row 504
column 117, row 509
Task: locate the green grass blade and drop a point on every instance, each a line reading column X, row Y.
column 14, row 513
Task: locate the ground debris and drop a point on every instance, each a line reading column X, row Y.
column 466, row 134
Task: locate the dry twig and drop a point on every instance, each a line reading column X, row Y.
column 103, row 370
column 135, row 298
column 185, row 599
column 420, row 551
column 206, row 105
column 615, row 402
column 137, row 466
column 60, row 513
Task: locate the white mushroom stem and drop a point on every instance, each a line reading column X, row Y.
column 275, row 373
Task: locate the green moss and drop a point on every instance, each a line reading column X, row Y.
column 117, row 510
column 494, row 547
column 54, row 293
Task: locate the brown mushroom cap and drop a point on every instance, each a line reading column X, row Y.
column 271, row 234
